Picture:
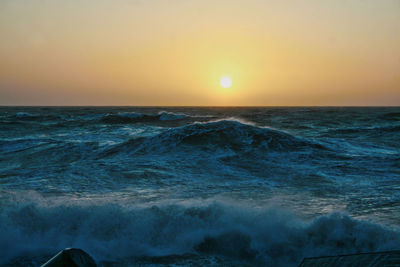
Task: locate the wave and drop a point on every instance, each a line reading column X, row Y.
column 391, row 116
column 26, row 115
column 113, row 118
column 218, row 135
column 37, row 152
column 263, row 236
column 134, row 117
column 35, row 116
column 216, row 138
column 25, row 118
column 377, row 130
column 7, row 146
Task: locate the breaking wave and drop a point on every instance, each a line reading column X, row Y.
column 113, row 232
column 216, row 135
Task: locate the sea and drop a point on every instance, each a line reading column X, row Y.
column 198, row 186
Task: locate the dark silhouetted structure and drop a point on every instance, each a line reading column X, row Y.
column 374, row 259
column 71, row 257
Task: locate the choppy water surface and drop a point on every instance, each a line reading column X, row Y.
column 205, row 186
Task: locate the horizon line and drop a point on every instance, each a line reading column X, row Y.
column 205, row 106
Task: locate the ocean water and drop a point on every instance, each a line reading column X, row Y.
column 198, row 186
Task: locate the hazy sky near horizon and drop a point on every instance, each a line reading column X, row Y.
column 174, row 52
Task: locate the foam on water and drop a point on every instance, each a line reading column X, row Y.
column 253, row 186
column 31, row 225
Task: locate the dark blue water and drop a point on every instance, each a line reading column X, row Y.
column 205, row 186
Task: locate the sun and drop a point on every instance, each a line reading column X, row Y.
column 225, row 82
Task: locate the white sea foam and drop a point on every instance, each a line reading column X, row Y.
column 112, row 231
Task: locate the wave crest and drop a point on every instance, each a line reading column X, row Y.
column 219, row 135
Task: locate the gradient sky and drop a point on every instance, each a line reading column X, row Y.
column 173, row 52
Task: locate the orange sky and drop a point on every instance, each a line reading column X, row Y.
column 174, row 52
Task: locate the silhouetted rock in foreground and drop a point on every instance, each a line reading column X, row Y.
column 375, row 259
column 71, row 257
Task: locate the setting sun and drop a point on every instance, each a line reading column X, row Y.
column 225, row 82
column 199, row 52
column 204, row 128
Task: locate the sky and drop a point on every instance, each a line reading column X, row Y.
column 174, row 52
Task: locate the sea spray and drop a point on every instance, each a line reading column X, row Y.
column 116, row 231
column 205, row 186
